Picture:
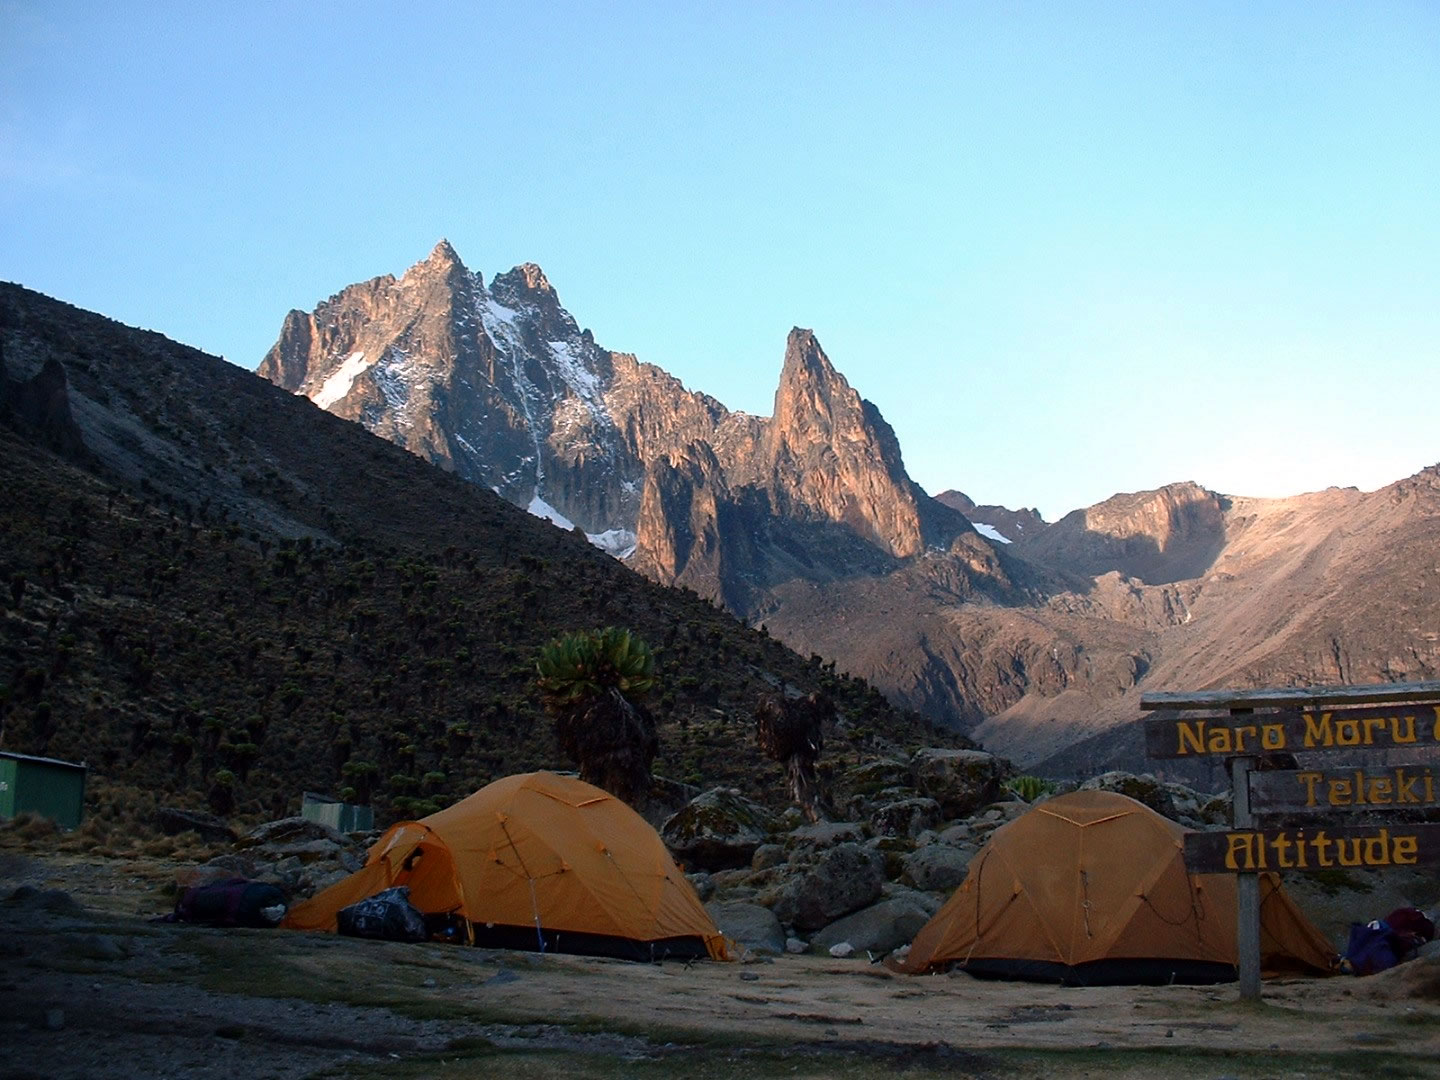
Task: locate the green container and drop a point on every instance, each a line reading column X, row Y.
column 346, row 817
column 54, row 789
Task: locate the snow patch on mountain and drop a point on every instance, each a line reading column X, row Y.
column 542, row 509
column 572, row 369
column 393, row 376
column 991, row 533
column 340, row 380
column 619, row 543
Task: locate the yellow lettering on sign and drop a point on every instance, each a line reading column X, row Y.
column 1272, row 736
column 1309, row 779
column 1218, row 741
column 1382, row 791
column 1193, row 734
column 1340, row 793
column 1405, row 734
column 1318, row 732
column 1347, row 733
column 1282, row 845
column 1239, row 843
column 1377, row 849
column 1407, row 850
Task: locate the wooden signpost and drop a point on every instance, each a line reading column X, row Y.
column 1248, row 727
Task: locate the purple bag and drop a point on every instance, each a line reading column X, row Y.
column 233, row 902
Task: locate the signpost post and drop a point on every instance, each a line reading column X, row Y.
column 1251, row 728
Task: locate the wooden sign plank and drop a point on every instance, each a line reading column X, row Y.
column 1369, row 847
column 1303, row 697
column 1328, row 791
column 1178, row 734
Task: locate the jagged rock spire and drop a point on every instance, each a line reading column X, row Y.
column 831, row 453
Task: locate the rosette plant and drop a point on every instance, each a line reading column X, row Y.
column 593, row 683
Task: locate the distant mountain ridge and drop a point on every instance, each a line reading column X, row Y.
column 1037, row 636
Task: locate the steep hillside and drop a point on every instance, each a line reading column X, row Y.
column 223, row 592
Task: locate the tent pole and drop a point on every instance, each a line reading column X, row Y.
column 1247, row 886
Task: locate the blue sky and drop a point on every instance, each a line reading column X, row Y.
column 1067, row 249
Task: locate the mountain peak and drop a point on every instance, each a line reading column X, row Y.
column 443, row 256
column 804, row 358
column 525, row 278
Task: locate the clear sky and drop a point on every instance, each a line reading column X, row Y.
column 1068, row 249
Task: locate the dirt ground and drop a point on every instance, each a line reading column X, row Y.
column 91, row 988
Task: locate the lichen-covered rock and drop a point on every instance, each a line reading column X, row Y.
column 841, row 880
column 718, row 830
column 908, row 817
column 753, row 926
column 961, row 781
column 876, row 929
column 894, row 850
column 929, row 903
column 306, row 851
column 1142, row 788
column 811, row 838
column 291, row 830
column 1217, row 809
column 766, row 856
column 1196, row 809
column 937, row 867
column 957, row 835
column 725, row 880
column 859, row 807
column 875, row 776
column 702, row 883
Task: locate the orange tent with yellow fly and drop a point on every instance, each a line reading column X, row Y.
column 536, row 861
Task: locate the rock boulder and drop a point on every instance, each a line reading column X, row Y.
column 841, row 880
column 961, row 781
column 718, row 830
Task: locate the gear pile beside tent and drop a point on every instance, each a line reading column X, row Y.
column 536, row 861
column 1091, row 888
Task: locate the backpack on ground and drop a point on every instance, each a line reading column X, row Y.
column 1382, row 943
column 387, row 915
column 233, row 902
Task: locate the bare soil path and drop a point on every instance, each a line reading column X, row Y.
column 90, row 988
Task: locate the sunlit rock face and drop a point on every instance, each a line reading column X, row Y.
column 1036, row 637
column 499, row 383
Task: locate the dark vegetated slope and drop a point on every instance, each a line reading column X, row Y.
column 240, row 596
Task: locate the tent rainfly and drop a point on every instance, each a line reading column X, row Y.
column 1091, row 889
column 540, row 862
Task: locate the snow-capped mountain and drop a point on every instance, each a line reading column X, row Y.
column 500, row 384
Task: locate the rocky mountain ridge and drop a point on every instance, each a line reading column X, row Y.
column 1038, row 636
column 501, row 385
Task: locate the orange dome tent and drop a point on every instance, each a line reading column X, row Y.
column 536, row 861
column 1091, row 888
